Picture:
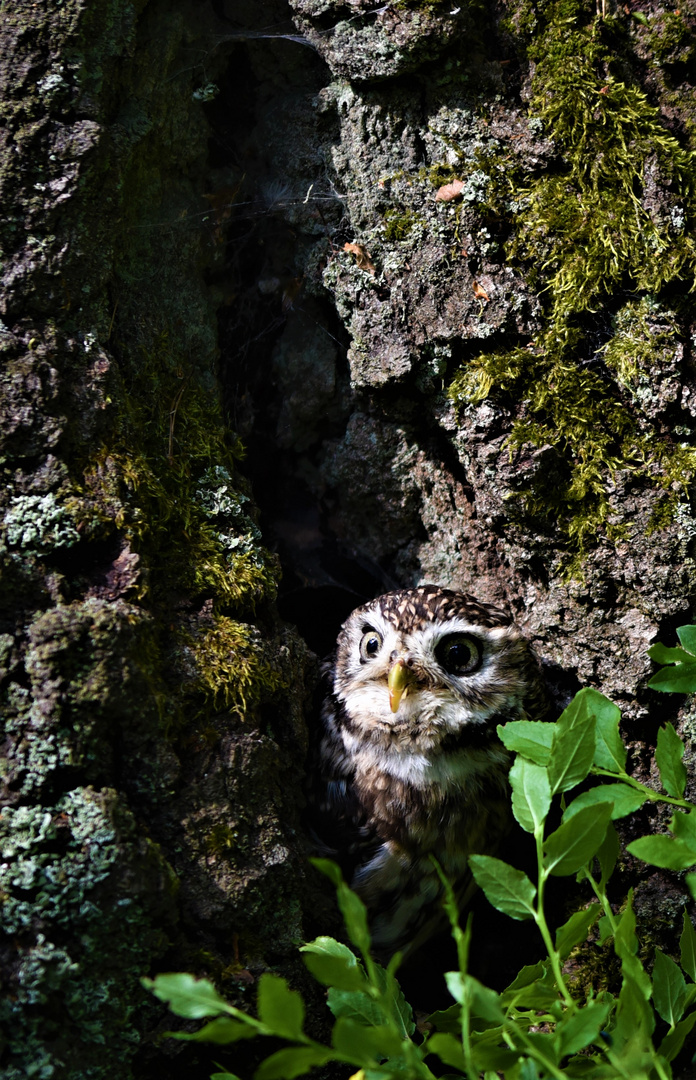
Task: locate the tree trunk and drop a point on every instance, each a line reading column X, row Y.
column 418, row 275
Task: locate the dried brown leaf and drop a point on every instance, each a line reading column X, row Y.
column 449, row 191
column 362, row 256
column 480, row 292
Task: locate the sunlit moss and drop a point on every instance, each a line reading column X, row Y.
column 231, row 670
column 581, row 232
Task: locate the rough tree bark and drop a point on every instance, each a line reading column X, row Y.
column 434, row 266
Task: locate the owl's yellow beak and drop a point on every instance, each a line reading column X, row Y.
column 399, row 679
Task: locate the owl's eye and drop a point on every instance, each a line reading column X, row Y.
column 459, row 654
column 370, row 644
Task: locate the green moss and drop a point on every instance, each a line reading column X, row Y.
column 438, row 174
column 186, row 504
column 671, row 40
column 581, row 232
column 398, row 223
column 230, row 665
column 222, row 839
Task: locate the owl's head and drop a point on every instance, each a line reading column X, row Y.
column 436, row 659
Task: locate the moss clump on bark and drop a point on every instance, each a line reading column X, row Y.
column 582, row 232
column 186, row 508
column 231, row 669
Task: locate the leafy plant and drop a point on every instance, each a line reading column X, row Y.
column 541, row 1025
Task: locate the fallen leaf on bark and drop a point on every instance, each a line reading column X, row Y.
column 480, row 292
column 449, row 191
column 362, row 256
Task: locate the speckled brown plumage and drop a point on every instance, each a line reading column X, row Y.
column 409, row 761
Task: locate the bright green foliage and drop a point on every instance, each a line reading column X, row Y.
column 541, row 1026
column 680, row 676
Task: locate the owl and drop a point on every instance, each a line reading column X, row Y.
column 409, row 763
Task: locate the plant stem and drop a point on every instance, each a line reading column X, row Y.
column 540, row 920
column 602, row 897
column 533, row 1052
column 653, row 796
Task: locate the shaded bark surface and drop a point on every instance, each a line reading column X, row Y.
column 226, row 224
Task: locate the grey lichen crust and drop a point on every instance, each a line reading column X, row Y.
column 363, row 40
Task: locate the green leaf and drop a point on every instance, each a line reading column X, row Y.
column 674, row 1041
column 687, row 637
column 333, row 964
column 610, row 752
column 482, row 1001
column 690, row 881
column 541, row 995
column 669, row 988
column 224, row 1076
column 531, row 794
column 365, row 1009
column 365, row 1045
column 490, row 1052
column 534, row 987
column 507, row 889
column 575, row 842
column 608, row 854
column 526, row 976
column 351, row 906
column 573, row 746
column 186, row 995
column 291, row 1062
column 664, row 851
column 680, row 679
column 684, row 827
column 640, row 17
column 447, row 1019
column 222, row 1030
column 280, row 1008
column 545, row 1043
column 531, row 738
column 661, row 654
column 356, row 1005
column 668, row 755
column 687, row 947
column 575, row 931
column 625, row 800
column 354, row 915
column 448, row 1049
column 626, row 947
column 331, row 869
column 528, row 1070
column 605, row 929
column 635, row 1019
column 581, row 1029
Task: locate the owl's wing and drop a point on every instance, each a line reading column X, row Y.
column 337, row 822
